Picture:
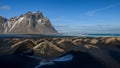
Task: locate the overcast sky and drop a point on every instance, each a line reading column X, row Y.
column 81, row 16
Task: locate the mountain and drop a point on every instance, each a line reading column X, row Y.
column 28, row 23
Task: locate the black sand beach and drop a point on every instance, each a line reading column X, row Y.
column 80, row 60
column 88, row 52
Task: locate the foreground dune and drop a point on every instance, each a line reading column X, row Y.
column 51, row 47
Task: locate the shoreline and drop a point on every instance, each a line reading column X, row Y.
column 55, row 35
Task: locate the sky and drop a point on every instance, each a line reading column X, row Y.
column 70, row 16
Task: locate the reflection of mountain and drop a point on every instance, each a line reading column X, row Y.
column 29, row 23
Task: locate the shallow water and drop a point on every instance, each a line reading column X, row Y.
column 60, row 34
column 60, row 59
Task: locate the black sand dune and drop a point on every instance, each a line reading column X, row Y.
column 17, row 61
column 88, row 52
column 80, row 60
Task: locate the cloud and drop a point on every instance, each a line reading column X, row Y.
column 93, row 12
column 4, row 7
column 61, row 26
column 100, row 28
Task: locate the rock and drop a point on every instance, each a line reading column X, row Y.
column 47, row 49
column 23, row 46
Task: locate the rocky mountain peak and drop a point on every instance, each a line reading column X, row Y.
column 38, row 15
column 28, row 23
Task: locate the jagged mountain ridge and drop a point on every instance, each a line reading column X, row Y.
column 29, row 23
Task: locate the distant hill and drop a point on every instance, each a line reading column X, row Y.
column 28, row 23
